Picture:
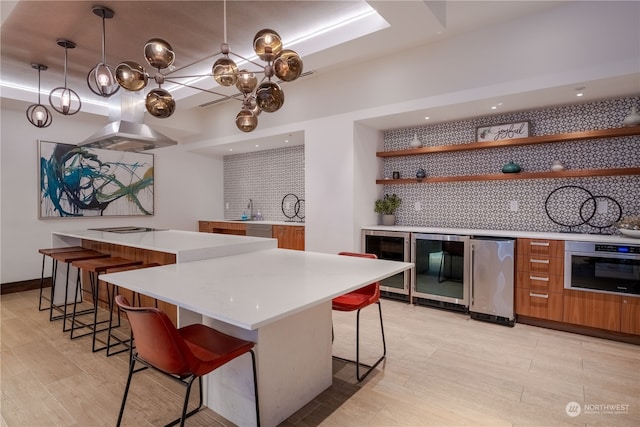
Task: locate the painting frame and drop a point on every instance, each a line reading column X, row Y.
column 82, row 182
column 503, row 131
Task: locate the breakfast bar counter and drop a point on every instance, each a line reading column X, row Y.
column 278, row 298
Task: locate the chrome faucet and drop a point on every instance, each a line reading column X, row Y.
column 250, row 207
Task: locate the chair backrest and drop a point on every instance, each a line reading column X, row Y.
column 157, row 340
column 372, row 289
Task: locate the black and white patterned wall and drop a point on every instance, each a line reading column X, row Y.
column 486, row 204
column 265, row 177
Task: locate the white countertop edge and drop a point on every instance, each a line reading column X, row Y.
column 131, row 280
column 603, row 238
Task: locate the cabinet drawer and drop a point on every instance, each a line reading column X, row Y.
column 592, row 309
column 541, row 248
column 540, row 265
column 540, row 281
column 630, row 315
column 543, row 305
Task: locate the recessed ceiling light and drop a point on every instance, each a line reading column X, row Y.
column 427, row 118
column 579, row 91
column 494, row 107
column 286, row 140
column 257, row 146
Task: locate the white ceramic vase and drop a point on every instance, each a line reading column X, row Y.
column 633, row 119
column 415, row 142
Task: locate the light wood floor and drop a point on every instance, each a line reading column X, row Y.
column 442, row 369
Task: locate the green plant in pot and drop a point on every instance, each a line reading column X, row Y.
column 387, row 207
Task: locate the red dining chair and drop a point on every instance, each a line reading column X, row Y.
column 183, row 354
column 356, row 301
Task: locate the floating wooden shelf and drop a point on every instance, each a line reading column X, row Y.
column 571, row 173
column 543, row 139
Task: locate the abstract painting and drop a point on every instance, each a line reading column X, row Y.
column 82, row 182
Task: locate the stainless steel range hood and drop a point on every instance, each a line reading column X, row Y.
column 127, row 132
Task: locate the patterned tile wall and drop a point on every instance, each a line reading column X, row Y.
column 485, row 204
column 265, row 177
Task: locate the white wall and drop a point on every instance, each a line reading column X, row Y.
column 187, row 186
column 571, row 43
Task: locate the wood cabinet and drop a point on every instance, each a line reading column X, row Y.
column 542, row 139
column 540, row 278
column 597, row 310
column 223, row 227
column 630, row 315
column 289, row 236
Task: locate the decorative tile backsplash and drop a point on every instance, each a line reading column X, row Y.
column 264, row 177
column 486, row 204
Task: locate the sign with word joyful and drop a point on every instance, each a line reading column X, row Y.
column 503, row 131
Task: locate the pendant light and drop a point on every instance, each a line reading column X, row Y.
column 101, row 78
column 37, row 114
column 267, row 95
column 69, row 102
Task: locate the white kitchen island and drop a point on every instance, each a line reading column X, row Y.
column 244, row 286
column 278, row 298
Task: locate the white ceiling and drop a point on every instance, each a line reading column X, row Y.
column 195, row 29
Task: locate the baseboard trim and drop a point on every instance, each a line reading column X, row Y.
column 581, row 330
column 24, row 285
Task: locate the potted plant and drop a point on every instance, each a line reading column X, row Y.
column 387, row 208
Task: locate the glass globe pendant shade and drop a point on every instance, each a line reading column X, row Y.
column 131, row 76
column 287, row 65
column 69, row 102
column 39, row 115
column 269, row 96
column 159, row 53
column 250, row 104
column 247, row 81
column 246, row 121
column 225, row 71
column 267, row 44
column 160, row 103
column 102, row 81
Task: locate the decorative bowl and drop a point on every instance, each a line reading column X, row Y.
column 630, row 233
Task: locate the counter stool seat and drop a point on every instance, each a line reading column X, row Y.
column 95, row 267
column 47, row 253
column 67, row 258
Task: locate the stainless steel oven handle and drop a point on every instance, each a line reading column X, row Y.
column 545, row 296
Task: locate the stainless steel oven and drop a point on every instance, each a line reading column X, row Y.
column 602, row 267
column 391, row 245
column 442, row 268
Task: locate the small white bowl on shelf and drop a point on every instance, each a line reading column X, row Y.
column 630, row 233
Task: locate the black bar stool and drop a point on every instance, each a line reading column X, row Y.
column 95, row 267
column 67, row 258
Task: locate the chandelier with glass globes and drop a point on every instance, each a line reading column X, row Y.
column 267, row 96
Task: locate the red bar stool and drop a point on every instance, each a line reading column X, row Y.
column 356, row 301
column 67, row 258
column 184, row 354
column 95, row 267
column 54, row 264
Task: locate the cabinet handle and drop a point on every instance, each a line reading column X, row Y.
column 539, row 243
column 545, row 296
column 540, row 261
column 542, row 279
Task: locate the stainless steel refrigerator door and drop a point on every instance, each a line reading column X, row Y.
column 492, row 277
